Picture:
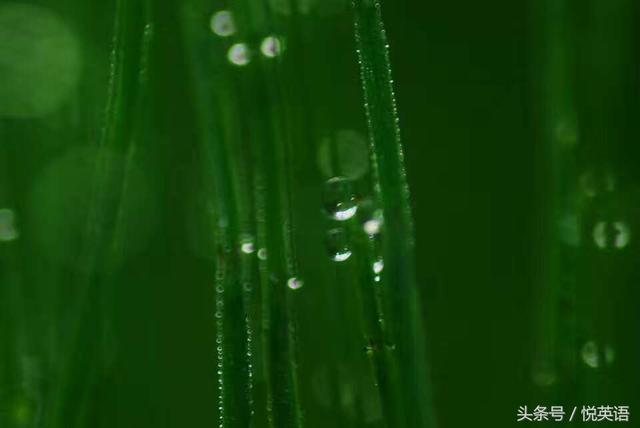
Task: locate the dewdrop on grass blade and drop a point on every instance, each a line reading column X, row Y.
column 339, row 201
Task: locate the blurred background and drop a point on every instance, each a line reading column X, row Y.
column 519, row 124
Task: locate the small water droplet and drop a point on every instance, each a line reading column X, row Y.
column 262, row 254
column 295, row 283
column 8, row 230
column 371, row 217
column 590, row 355
column 338, row 245
column 370, row 350
column 271, row 47
column 239, row 54
column 378, row 266
column 339, row 201
column 611, row 234
column 247, row 245
column 222, row 23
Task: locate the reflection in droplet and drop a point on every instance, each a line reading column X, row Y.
column 222, row 23
column 239, row 54
column 338, row 245
column 339, row 201
column 8, row 230
column 611, row 234
column 295, row 283
column 344, row 153
column 595, row 356
column 247, row 245
column 40, row 61
column 271, row 47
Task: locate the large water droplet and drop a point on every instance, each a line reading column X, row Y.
column 295, row 283
column 222, row 23
column 339, row 201
column 611, row 234
column 262, row 254
column 338, row 245
column 239, row 54
column 8, row 230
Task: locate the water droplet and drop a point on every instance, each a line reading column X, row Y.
column 370, row 216
column 378, row 266
column 295, row 283
column 344, row 153
column 338, row 245
column 262, row 254
column 611, row 234
column 595, row 356
column 271, row 47
column 370, row 350
column 239, row 54
column 590, row 355
column 339, row 201
column 222, row 23
column 8, row 230
column 247, row 245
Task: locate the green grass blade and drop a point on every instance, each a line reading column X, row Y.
column 412, row 407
